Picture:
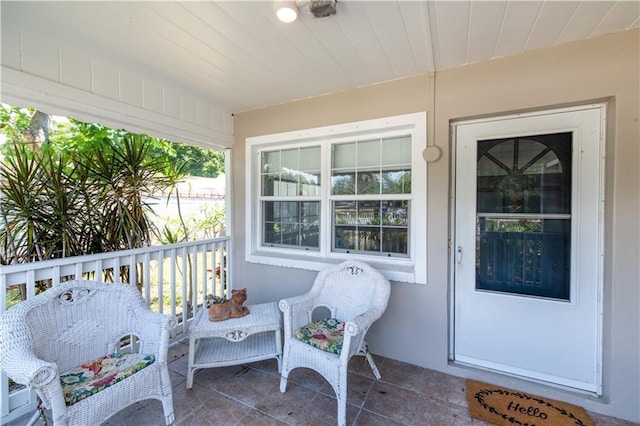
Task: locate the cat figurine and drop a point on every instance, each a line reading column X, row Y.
column 232, row 308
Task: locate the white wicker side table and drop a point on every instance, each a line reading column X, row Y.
column 254, row 337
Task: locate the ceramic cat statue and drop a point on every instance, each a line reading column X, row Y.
column 232, row 308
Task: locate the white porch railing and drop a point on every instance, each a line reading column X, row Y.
column 174, row 279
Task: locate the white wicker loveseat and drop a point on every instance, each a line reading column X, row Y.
column 80, row 323
column 356, row 295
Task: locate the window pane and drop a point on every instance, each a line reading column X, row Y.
column 368, row 212
column 269, row 184
column 369, row 155
column 395, row 213
column 345, row 238
column 343, row 156
column 369, row 238
column 288, row 211
column 289, row 176
column 289, row 159
column 309, row 171
column 291, row 223
column 271, row 162
column 487, row 167
column 290, row 235
column 309, row 183
column 394, row 240
column 343, row 183
column 310, row 159
column 368, row 182
column 271, row 212
column 547, row 164
column 396, row 182
column 345, row 212
column 272, row 233
column 396, row 151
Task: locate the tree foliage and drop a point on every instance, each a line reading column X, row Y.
column 72, row 135
column 83, row 190
column 59, row 204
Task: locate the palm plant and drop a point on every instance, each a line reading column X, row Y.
column 59, row 204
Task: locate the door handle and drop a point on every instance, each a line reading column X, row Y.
column 459, row 255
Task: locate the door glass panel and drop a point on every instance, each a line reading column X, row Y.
column 523, row 218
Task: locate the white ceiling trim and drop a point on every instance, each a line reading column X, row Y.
column 25, row 90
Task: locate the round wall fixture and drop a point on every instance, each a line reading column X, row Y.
column 432, row 153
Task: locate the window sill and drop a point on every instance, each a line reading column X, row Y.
column 396, row 270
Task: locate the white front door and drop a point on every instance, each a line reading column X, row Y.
column 527, row 245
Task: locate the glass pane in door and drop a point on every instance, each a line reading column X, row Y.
column 523, row 218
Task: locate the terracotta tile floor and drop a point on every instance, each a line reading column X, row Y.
column 249, row 395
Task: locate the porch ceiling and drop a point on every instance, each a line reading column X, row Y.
column 237, row 54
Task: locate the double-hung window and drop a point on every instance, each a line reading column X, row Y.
column 355, row 190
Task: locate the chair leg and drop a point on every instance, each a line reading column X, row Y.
column 37, row 416
column 372, row 364
column 341, row 396
column 283, row 381
column 167, row 408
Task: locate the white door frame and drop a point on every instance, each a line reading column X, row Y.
column 600, row 230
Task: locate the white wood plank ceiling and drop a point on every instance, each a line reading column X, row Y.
column 239, row 55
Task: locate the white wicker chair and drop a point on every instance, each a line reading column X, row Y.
column 356, row 295
column 78, row 322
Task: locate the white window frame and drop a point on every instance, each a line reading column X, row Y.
column 412, row 269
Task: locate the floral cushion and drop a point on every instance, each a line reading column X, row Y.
column 94, row 376
column 326, row 334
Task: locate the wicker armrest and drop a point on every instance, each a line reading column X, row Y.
column 355, row 330
column 362, row 322
column 304, row 302
column 27, row 369
column 154, row 330
column 17, row 359
column 155, row 323
column 296, row 311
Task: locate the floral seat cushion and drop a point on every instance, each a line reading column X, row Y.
column 326, row 334
column 92, row 377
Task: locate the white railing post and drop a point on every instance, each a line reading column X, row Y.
column 146, row 284
column 185, row 286
column 4, row 380
column 160, row 261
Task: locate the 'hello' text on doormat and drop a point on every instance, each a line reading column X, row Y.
column 507, row 407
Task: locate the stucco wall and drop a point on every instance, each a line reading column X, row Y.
column 415, row 327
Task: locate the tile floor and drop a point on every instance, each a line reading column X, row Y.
column 249, row 395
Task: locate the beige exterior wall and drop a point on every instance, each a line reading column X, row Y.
column 415, row 327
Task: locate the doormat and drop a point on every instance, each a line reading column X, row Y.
column 507, row 407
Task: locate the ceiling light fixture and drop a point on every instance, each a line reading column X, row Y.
column 323, row 8
column 287, row 12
